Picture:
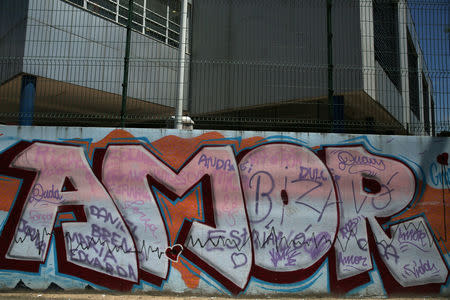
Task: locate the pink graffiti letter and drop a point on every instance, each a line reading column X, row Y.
column 291, row 203
column 64, row 190
column 373, row 186
column 220, row 244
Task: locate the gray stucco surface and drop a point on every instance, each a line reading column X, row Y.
column 258, row 52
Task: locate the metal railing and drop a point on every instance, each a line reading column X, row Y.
column 158, row 19
column 368, row 66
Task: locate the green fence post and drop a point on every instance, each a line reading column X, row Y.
column 330, row 64
column 126, row 64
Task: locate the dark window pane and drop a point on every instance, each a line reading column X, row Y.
column 155, row 35
column 136, row 18
column 101, row 11
column 156, row 18
column 385, row 17
column 173, row 43
column 138, row 10
column 137, row 7
column 174, row 11
column 174, row 27
column 173, row 35
column 433, row 118
column 123, row 21
column 426, row 104
column 158, row 6
column 413, row 79
column 77, row 2
column 106, row 4
column 136, row 27
column 155, row 27
column 123, row 12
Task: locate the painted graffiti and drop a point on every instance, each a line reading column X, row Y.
column 123, row 213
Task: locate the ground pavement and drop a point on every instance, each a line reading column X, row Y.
column 100, row 296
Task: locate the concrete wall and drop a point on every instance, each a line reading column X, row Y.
column 248, row 53
column 212, row 213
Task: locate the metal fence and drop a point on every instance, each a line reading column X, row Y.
column 358, row 66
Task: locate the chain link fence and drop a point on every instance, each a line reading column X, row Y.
column 357, row 66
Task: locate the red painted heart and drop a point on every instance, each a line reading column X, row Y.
column 174, row 252
column 443, row 159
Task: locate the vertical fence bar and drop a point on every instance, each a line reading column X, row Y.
column 126, row 64
column 330, row 63
column 181, row 65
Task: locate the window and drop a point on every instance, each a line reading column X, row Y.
column 106, row 8
column 158, row 6
column 159, row 19
column 385, row 19
column 413, row 79
column 77, row 2
column 433, row 118
column 426, row 104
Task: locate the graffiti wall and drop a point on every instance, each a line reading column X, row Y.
column 223, row 212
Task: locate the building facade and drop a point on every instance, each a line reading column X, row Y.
column 264, row 60
column 75, row 50
column 269, row 59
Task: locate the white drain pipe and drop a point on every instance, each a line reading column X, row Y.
column 181, row 65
